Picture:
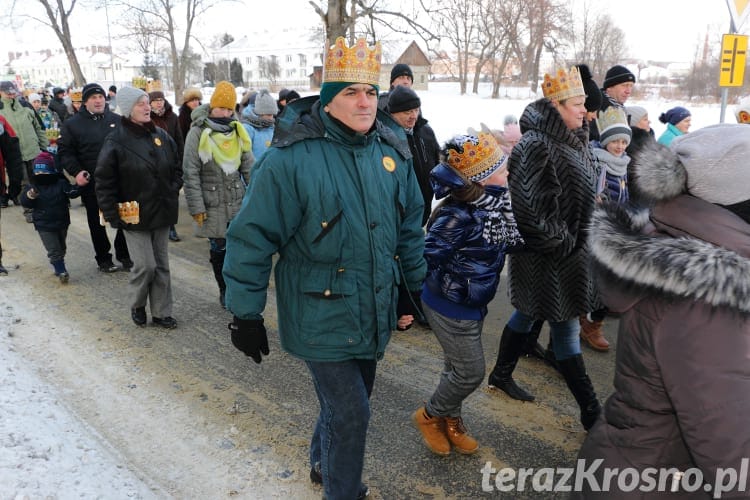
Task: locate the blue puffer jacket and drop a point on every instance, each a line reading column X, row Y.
column 463, row 266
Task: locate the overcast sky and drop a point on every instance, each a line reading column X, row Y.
column 654, row 29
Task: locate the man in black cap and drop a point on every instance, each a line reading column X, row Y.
column 81, row 139
column 57, row 104
column 617, row 86
column 112, row 97
column 401, row 75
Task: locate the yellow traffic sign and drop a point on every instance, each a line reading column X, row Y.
column 732, row 65
column 738, row 10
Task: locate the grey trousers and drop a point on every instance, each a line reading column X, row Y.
column 149, row 278
column 54, row 243
column 464, row 368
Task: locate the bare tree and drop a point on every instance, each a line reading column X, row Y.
column 596, row 40
column 542, row 27
column 459, row 22
column 341, row 18
column 160, row 19
column 57, row 19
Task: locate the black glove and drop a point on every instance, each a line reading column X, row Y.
column 249, row 336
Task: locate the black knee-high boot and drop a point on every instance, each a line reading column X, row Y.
column 511, row 348
column 574, row 371
column 217, row 263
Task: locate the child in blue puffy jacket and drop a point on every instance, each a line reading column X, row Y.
column 467, row 237
column 48, row 195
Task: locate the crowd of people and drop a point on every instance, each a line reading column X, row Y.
column 595, row 216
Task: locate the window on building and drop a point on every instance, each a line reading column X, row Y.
column 289, row 58
column 302, row 60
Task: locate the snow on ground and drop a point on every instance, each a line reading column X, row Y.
column 46, row 451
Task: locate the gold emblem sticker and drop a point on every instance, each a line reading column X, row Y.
column 157, row 141
column 389, row 164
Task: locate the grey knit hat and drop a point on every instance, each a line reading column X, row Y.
column 635, row 114
column 715, row 159
column 126, row 99
column 265, row 104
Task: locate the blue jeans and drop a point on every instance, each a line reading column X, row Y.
column 566, row 341
column 338, row 442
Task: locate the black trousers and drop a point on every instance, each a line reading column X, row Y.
column 99, row 236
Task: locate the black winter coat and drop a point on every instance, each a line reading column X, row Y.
column 425, row 152
column 81, row 139
column 59, row 107
column 552, row 180
column 171, row 123
column 140, row 164
column 51, row 206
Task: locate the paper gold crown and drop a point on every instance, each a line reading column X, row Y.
column 563, row 85
column 477, row 159
column 612, row 117
column 358, row 64
column 76, row 95
column 139, row 82
column 153, row 86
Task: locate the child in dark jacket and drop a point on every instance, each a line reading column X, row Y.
column 614, row 138
column 468, row 235
column 48, row 195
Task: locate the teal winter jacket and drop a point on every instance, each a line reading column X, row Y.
column 344, row 212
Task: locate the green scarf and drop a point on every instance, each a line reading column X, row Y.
column 224, row 148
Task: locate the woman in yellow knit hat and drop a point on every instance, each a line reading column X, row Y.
column 216, row 167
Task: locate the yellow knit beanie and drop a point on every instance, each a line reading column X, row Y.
column 225, row 96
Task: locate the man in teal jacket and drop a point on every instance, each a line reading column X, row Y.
column 337, row 198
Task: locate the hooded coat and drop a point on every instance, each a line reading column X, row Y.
column 343, row 211
column 552, row 179
column 677, row 274
column 208, row 189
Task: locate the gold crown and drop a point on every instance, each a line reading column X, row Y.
column 139, row 82
column 76, row 95
column 613, row 116
column 153, row 86
column 564, row 86
column 478, row 159
column 358, row 64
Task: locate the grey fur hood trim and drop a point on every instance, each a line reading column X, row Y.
column 656, row 174
column 623, row 243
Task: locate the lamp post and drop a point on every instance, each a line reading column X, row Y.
column 109, row 40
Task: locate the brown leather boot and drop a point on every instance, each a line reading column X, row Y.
column 459, row 436
column 591, row 332
column 433, row 432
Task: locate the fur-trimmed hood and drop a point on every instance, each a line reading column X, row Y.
column 684, row 248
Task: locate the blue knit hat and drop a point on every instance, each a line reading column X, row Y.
column 674, row 115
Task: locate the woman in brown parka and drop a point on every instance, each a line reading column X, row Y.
column 678, row 273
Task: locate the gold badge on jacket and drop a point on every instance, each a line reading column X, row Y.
column 389, row 164
column 157, row 141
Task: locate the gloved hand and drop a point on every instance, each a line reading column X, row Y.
column 249, row 336
column 200, row 218
column 82, row 178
